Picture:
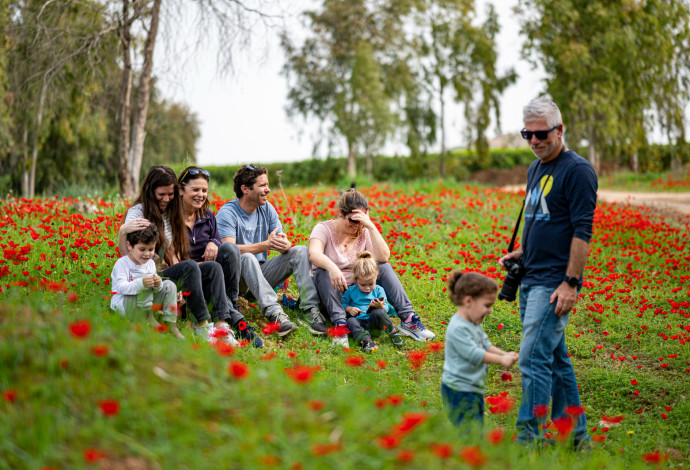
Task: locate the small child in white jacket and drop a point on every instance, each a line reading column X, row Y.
column 138, row 287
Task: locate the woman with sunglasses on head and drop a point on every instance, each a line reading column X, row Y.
column 205, row 246
column 333, row 248
column 159, row 203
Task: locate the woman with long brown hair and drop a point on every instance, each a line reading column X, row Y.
column 205, row 245
column 159, row 203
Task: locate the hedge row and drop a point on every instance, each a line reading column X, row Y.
column 458, row 165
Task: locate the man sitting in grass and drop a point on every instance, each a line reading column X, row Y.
column 252, row 223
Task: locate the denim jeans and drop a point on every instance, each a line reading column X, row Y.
column 387, row 279
column 546, row 370
column 462, row 406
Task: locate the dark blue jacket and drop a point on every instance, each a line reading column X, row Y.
column 205, row 230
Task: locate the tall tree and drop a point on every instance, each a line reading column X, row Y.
column 56, row 50
column 339, row 74
column 611, row 65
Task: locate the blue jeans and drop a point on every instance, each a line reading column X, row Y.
column 547, row 372
column 461, row 406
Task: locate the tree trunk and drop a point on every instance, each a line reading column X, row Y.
column 25, row 159
column 139, row 123
column 592, row 152
column 635, row 162
column 30, row 178
column 351, row 161
column 370, row 165
column 127, row 191
column 442, row 155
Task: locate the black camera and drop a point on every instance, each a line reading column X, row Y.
column 514, row 273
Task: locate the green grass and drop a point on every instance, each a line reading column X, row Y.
column 647, row 181
column 179, row 407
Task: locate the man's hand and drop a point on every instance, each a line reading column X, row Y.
column 513, row 255
column 566, row 297
column 279, row 241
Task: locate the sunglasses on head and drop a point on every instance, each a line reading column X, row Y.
column 250, row 167
column 195, row 172
column 541, row 135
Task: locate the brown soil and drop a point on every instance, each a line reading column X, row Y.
column 674, row 206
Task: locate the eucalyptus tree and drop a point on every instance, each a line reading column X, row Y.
column 57, row 52
column 343, row 73
column 455, row 53
column 616, row 68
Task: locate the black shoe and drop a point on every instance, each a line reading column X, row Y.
column 246, row 332
column 368, row 345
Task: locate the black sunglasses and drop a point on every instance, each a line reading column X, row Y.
column 195, row 172
column 352, row 221
column 541, row 135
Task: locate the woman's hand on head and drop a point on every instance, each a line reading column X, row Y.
column 211, row 252
column 135, row 225
column 362, row 216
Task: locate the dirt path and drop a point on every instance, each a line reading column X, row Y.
column 665, row 202
column 672, row 205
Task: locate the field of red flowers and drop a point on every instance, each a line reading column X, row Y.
column 83, row 388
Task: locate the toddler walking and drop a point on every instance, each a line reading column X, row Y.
column 366, row 306
column 137, row 285
column 468, row 349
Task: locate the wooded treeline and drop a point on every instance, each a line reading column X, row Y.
column 80, row 107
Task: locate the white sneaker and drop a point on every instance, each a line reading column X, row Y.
column 205, row 332
column 224, row 333
column 341, row 341
column 415, row 329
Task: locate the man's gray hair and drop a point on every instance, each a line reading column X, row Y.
column 544, row 108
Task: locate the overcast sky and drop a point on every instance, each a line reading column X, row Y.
column 243, row 115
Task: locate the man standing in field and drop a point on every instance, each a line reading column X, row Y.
column 251, row 222
column 559, row 212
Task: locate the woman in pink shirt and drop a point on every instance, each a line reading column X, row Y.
column 333, row 248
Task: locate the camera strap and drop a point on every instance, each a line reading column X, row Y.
column 511, row 246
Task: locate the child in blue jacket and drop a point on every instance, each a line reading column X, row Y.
column 366, row 306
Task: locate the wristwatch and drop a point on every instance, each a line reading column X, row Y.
column 572, row 281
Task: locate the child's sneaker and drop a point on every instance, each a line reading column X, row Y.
column 396, row 338
column 415, row 329
column 368, row 345
column 205, row 332
column 247, row 333
column 225, row 334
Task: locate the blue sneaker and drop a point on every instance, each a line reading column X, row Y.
column 415, row 329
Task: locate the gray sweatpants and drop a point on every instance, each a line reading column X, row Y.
column 261, row 279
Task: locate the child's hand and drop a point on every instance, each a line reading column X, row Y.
column 353, row 311
column 149, row 281
column 156, row 281
column 508, row 359
column 378, row 303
